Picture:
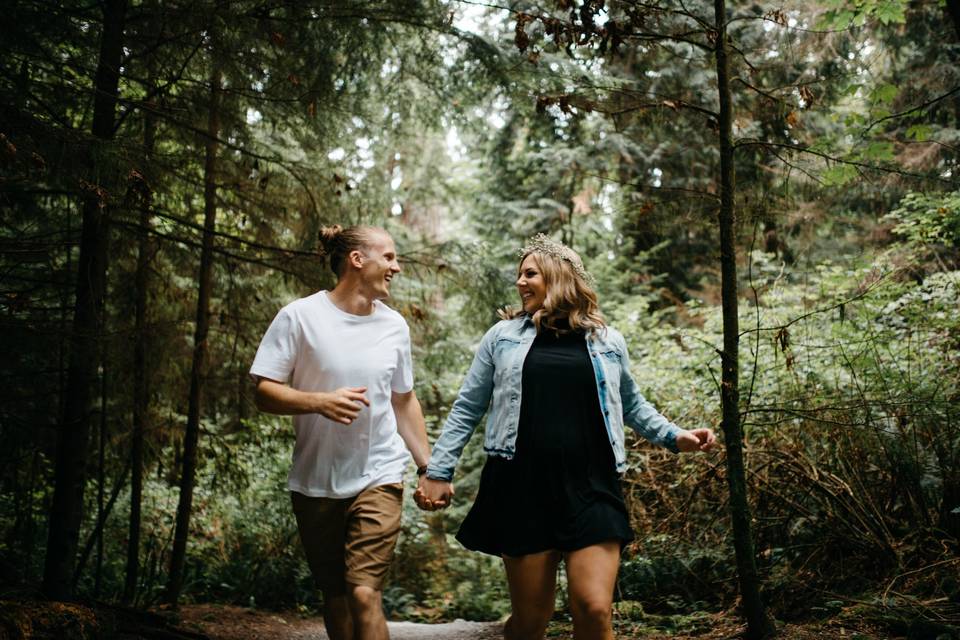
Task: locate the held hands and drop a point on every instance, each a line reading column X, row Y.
column 342, row 405
column 696, row 440
column 433, row 494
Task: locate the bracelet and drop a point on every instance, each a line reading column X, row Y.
column 422, row 469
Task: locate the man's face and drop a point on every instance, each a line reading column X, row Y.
column 379, row 265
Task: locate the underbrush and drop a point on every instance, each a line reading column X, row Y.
column 850, row 386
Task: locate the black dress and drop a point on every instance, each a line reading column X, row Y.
column 561, row 490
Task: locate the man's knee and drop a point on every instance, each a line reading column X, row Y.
column 365, row 599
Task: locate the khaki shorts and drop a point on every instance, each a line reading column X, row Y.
column 350, row 541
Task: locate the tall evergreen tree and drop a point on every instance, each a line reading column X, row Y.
column 73, row 436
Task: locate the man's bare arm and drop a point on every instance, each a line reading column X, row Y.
column 411, row 426
column 413, row 430
column 342, row 405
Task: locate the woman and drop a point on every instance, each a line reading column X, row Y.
column 557, row 383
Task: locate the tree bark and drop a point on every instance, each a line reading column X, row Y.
column 28, row 536
column 97, row 532
column 949, row 518
column 73, row 435
column 140, row 407
column 101, row 468
column 197, row 375
column 952, row 7
column 140, row 383
column 759, row 624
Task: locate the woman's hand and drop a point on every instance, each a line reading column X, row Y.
column 696, row 440
column 433, row 494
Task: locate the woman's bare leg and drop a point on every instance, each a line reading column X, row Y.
column 591, row 577
column 533, row 582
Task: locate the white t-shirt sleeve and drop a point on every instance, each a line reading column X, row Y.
column 277, row 353
column 402, row 381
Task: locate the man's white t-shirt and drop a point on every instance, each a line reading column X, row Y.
column 316, row 346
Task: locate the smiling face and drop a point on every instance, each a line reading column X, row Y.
column 379, row 265
column 530, row 285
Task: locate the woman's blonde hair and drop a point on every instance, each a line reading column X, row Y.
column 570, row 303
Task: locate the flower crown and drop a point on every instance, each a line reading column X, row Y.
column 541, row 243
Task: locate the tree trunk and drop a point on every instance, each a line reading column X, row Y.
column 140, row 406
column 101, row 468
column 952, row 7
column 97, row 532
column 73, row 434
column 197, row 374
column 28, row 536
column 141, row 396
column 949, row 519
column 759, row 625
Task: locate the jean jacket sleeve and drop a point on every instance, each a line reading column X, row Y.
column 640, row 414
column 469, row 407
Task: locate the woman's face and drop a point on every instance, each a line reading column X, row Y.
column 530, row 285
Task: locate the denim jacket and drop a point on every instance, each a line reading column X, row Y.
column 493, row 382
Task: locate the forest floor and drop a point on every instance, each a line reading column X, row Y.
column 38, row 619
column 219, row 622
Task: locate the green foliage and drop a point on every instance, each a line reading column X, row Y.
column 673, row 581
column 838, row 175
column 843, row 365
column 842, row 14
column 928, row 219
column 630, row 621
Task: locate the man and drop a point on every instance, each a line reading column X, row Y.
column 339, row 362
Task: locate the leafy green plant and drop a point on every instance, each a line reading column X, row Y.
column 928, row 219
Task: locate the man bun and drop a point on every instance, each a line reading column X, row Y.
column 337, row 242
column 328, row 238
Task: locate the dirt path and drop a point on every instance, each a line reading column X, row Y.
column 223, row 622
column 33, row 618
column 237, row 623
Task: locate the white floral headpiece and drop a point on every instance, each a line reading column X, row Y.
column 541, row 243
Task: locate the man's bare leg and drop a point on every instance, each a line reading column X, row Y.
column 366, row 609
column 337, row 617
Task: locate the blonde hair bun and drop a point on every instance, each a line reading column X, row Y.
column 328, row 236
